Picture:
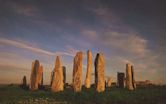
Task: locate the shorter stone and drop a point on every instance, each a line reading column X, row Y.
column 121, row 80
column 24, row 82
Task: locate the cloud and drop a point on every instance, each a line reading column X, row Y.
column 105, row 14
column 114, row 33
column 71, row 50
column 9, row 58
column 22, row 45
column 23, row 8
column 125, row 61
column 127, row 42
column 91, row 34
column 26, row 10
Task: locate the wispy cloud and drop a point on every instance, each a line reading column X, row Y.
column 22, row 45
column 128, row 42
column 71, row 50
column 23, row 8
column 26, row 10
column 91, row 34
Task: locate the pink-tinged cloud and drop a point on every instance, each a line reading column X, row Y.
column 24, row 9
column 91, row 34
column 22, row 45
column 27, row 10
column 131, row 42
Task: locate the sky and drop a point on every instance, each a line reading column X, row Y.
column 125, row 31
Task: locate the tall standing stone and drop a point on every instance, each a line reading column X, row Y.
column 34, row 75
column 99, row 73
column 121, row 79
column 57, row 82
column 133, row 78
column 129, row 84
column 64, row 74
column 77, row 72
column 89, row 69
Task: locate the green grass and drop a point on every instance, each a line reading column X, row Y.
column 143, row 95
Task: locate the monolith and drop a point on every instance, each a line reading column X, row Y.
column 99, row 73
column 89, row 69
column 129, row 84
column 121, row 80
column 57, row 80
column 133, row 77
column 77, row 72
column 34, row 75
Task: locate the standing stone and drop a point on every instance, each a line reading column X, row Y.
column 34, row 75
column 133, row 78
column 89, row 69
column 109, row 82
column 77, row 72
column 129, row 84
column 121, row 79
column 64, row 74
column 99, row 73
column 24, row 82
column 57, row 82
column 40, row 76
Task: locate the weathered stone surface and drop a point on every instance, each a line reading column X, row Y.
column 57, row 82
column 64, row 74
column 40, row 76
column 129, row 84
column 99, row 73
column 133, row 78
column 77, row 72
column 89, row 69
column 109, row 82
column 121, row 79
column 34, row 75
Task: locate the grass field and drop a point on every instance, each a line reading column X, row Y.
column 143, row 95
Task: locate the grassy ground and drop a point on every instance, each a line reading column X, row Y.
column 143, row 95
